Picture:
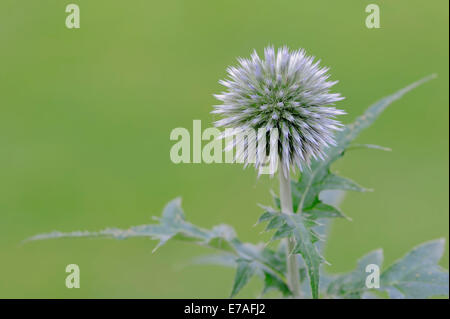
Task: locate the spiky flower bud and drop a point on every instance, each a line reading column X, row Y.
column 288, row 91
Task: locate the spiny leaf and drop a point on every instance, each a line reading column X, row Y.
column 418, row 275
column 275, row 223
column 298, row 227
column 312, row 181
column 352, row 285
column 345, row 137
column 267, row 215
column 244, row 272
column 306, row 192
column 304, row 245
column 272, row 282
column 172, row 225
column 322, row 210
column 283, row 231
column 335, row 182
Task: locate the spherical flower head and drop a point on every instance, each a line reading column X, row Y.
column 287, row 91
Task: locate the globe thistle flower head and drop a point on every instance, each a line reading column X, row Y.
column 285, row 90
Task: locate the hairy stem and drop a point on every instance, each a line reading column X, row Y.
column 292, row 276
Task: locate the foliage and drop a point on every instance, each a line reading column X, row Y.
column 417, row 275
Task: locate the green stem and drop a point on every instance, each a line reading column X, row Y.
column 292, row 277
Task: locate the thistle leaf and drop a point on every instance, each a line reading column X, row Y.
column 274, row 283
column 335, row 182
column 319, row 177
column 322, row 210
column 173, row 225
column 299, row 228
column 306, row 191
column 304, row 245
column 418, row 275
column 352, row 285
column 244, row 272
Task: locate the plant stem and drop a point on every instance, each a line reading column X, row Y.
column 293, row 277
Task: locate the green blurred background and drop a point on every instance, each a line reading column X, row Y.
column 85, row 118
